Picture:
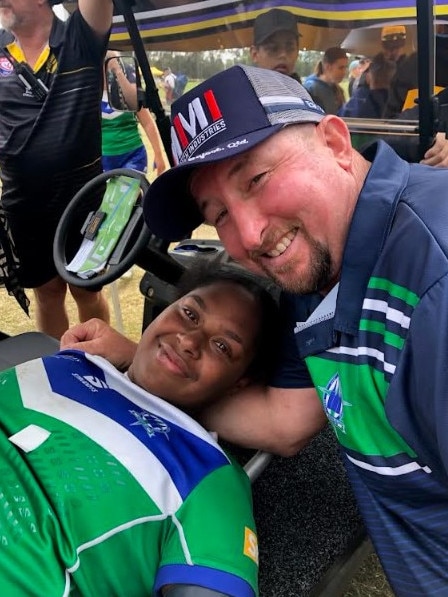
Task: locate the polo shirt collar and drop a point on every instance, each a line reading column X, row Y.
column 371, row 223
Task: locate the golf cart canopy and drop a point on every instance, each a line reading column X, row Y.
column 355, row 25
column 179, row 25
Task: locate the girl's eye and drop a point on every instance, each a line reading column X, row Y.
column 223, row 347
column 191, row 315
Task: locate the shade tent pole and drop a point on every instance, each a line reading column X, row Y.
column 427, row 102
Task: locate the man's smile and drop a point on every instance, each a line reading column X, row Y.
column 282, row 244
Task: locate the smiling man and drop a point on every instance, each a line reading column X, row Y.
column 359, row 245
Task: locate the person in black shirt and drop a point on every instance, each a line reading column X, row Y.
column 50, row 139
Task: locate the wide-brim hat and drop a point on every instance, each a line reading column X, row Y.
column 226, row 115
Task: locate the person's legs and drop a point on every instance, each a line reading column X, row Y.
column 51, row 315
column 90, row 304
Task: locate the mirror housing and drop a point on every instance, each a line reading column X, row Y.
column 123, row 82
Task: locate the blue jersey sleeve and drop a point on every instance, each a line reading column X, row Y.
column 291, row 371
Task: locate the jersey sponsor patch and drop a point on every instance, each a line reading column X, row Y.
column 250, row 545
column 6, row 67
column 29, row 438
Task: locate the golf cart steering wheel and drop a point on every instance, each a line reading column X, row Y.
column 136, row 231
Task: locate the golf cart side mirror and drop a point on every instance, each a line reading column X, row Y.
column 123, row 82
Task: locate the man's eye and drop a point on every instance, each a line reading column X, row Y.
column 219, row 217
column 256, row 179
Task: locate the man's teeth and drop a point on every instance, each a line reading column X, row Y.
column 282, row 245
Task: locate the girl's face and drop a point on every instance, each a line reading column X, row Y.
column 337, row 70
column 200, row 347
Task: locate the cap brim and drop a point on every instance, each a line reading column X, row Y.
column 169, row 210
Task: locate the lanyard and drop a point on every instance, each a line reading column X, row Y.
column 25, row 74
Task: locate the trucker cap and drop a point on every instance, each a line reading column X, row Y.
column 224, row 116
column 393, row 35
column 272, row 21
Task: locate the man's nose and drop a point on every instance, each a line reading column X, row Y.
column 250, row 225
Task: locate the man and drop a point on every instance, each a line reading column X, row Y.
column 276, row 42
column 50, row 139
column 393, row 42
column 368, row 100
column 404, row 86
column 169, row 82
column 359, row 245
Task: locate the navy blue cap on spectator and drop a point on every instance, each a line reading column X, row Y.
column 222, row 117
column 271, row 22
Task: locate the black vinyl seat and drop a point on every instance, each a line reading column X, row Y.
column 24, row 347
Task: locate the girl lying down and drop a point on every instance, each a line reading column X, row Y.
column 109, row 485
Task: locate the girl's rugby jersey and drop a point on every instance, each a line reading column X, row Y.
column 109, row 490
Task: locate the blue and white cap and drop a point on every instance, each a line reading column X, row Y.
column 224, row 116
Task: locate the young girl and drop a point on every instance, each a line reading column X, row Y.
column 110, row 489
column 324, row 85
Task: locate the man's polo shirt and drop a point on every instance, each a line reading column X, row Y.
column 376, row 350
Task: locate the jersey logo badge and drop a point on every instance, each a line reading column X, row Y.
column 334, row 402
column 152, row 424
column 250, row 545
column 91, row 382
column 6, row 67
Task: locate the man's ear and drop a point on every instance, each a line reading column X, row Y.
column 253, row 54
column 336, row 137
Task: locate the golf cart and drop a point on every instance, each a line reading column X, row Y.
column 311, row 535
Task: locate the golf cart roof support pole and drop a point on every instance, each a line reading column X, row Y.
column 152, row 98
column 428, row 116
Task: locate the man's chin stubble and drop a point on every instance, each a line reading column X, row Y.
column 319, row 276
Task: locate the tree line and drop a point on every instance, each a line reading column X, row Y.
column 201, row 65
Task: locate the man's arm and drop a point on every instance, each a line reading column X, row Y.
column 97, row 14
column 97, row 337
column 278, row 420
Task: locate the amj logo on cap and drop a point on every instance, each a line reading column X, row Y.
column 201, row 121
